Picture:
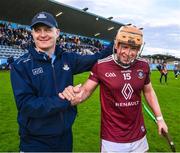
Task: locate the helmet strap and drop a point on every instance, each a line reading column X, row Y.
column 118, row 61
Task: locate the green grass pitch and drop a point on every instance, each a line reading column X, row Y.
column 87, row 123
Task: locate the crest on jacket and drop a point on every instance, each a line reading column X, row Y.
column 66, row 67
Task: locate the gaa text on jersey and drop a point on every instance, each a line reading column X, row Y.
column 110, row 75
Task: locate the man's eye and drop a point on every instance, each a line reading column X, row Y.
column 133, row 48
column 36, row 30
column 48, row 30
column 125, row 47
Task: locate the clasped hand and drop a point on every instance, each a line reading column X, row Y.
column 72, row 94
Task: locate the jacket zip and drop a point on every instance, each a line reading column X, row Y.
column 54, row 77
column 55, row 84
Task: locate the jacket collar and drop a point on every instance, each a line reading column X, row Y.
column 41, row 56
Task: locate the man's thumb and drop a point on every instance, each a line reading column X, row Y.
column 77, row 88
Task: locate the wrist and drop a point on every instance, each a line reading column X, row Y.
column 159, row 118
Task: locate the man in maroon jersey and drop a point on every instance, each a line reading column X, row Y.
column 122, row 77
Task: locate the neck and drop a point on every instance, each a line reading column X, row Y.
column 49, row 52
column 117, row 61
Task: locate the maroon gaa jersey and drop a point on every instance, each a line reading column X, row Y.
column 120, row 95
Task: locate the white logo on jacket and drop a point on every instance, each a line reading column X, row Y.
column 37, row 71
column 66, row 67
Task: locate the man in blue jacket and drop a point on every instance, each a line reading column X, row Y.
column 45, row 120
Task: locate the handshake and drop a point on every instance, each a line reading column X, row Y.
column 73, row 94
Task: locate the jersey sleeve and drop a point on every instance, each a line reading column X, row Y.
column 94, row 73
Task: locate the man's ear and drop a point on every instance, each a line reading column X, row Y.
column 58, row 32
column 115, row 44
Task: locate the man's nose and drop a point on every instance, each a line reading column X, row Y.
column 127, row 51
column 43, row 33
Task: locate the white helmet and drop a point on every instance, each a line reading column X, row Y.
column 130, row 35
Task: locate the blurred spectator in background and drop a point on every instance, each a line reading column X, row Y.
column 176, row 71
column 164, row 72
column 10, row 60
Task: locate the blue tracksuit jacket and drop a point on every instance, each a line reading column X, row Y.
column 36, row 82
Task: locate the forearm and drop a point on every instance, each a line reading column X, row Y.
column 152, row 100
column 85, row 93
column 85, row 62
column 32, row 106
column 28, row 102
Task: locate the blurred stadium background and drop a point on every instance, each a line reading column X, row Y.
column 84, row 33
